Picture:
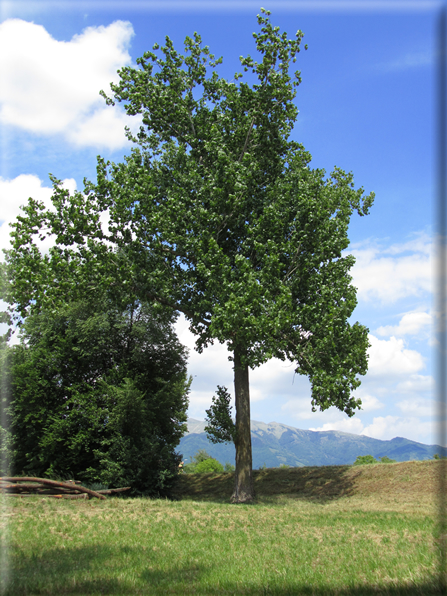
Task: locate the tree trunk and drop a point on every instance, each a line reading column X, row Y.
column 243, row 487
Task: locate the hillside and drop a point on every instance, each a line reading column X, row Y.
column 274, row 444
column 405, row 483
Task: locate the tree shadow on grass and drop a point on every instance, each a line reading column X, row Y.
column 310, row 483
column 89, row 571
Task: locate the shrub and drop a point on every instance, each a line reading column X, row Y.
column 365, row 459
column 209, row 465
column 229, row 467
column 386, row 460
column 197, row 459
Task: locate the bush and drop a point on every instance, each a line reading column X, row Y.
column 386, row 460
column 365, row 459
column 203, row 463
column 209, row 465
column 200, row 456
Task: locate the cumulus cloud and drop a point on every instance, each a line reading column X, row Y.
column 391, row 358
column 418, row 406
column 412, row 323
column 209, row 369
column 345, row 425
column 15, row 193
column 50, row 86
column 416, row 384
column 386, row 428
column 369, row 402
column 395, row 272
column 389, row 427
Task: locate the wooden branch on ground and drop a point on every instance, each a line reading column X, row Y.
column 66, row 487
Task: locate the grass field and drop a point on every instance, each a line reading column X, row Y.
column 360, row 530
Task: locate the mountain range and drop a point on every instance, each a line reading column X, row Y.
column 274, row 444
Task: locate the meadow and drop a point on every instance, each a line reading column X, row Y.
column 336, row 530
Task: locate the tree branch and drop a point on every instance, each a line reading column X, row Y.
column 179, row 307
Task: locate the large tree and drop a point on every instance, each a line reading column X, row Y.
column 98, row 394
column 221, row 218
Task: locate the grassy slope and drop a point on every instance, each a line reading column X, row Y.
column 314, row 531
column 412, row 481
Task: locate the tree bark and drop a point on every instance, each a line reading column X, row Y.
column 243, row 487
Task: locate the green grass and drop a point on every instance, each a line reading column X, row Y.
column 299, row 537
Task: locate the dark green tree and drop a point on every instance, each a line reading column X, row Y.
column 99, row 395
column 220, row 427
column 221, row 218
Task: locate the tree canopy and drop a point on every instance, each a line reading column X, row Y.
column 218, row 216
column 99, row 395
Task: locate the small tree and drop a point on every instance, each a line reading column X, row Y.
column 219, row 217
column 220, row 427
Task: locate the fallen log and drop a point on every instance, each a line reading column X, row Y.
column 112, row 491
column 64, row 496
column 25, row 487
column 54, row 483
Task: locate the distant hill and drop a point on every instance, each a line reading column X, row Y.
column 274, row 444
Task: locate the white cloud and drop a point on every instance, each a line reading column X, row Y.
column 418, row 407
column 416, row 384
column 389, row 427
column 369, row 402
column 345, row 425
column 50, row 86
column 391, row 358
column 104, row 127
column 209, row 369
column 14, row 194
column 300, row 408
column 389, row 274
column 412, row 323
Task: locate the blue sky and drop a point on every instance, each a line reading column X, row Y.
column 367, row 104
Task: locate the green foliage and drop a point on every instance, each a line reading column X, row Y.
column 369, row 459
column 99, row 395
column 229, row 467
column 5, row 419
column 229, row 224
column 365, row 459
column 284, row 466
column 203, row 463
column 201, row 456
column 216, row 214
column 209, row 465
column 220, row 427
column 386, row 460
